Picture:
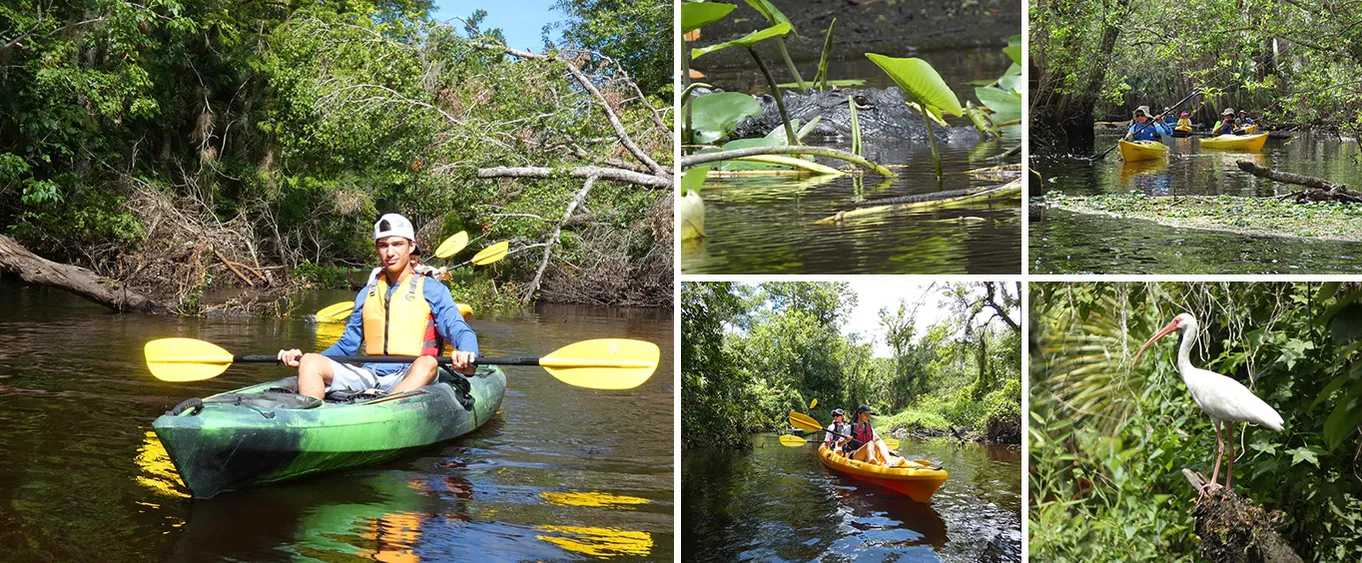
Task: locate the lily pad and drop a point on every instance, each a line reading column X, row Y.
column 693, row 179
column 744, row 41
column 715, row 115
column 919, row 80
column 695, row 15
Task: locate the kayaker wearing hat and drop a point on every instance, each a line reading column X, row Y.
column 869, row 447
column 1243, row 121
column 400, row 313
column 839, row 426
column 1226, row 124
column 1146, row 128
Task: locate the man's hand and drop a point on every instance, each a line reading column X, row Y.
column 290, row 357
column 462, row 362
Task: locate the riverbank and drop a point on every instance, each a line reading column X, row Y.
column 1244, row 215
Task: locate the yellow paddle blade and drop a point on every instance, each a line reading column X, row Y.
column 336, row 313
column 452, row 245
column 804, row 422
column 891, row 443
column 813, row 404
column 603, row 363
column 491, row 254
column 792, row 441
column 185, row 359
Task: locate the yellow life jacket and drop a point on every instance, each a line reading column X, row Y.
column 402, row 325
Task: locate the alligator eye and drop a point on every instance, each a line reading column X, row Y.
column 862, row 102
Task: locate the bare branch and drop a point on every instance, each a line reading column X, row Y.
column 616, row 174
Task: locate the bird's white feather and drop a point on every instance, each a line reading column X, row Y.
column 1227, row 400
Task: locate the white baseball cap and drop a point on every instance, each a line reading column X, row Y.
column 393, row 225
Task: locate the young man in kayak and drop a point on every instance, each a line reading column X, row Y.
column 839, row 426
column 871, row 449
column 1226, row 124
column 1146, row 128
column 400, row 313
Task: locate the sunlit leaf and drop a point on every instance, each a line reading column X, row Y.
column 919, row 80
column 695, row 15
column 772, row 14
column 744, row 41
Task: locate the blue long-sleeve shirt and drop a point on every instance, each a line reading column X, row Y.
column 1149, row 132
column 448, row 322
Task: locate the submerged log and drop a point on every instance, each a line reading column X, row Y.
column 1235, row 531
column 920, row 202
column 85, row 283
column 1319, row 188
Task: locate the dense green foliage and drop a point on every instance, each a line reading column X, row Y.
column 1108, row 439
column 752, row 354
column 1289, row 62
column 636, row 34
column 297, row 124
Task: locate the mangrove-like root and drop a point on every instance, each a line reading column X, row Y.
column 1235, row 531
column 1319, row 189
column 920, row 202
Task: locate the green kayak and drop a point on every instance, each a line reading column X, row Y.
column 268, row 433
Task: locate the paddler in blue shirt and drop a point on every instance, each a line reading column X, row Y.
column 1144, row 128
column 1226, row 124
column 400, row 313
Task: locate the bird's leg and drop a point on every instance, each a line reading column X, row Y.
column 1229, row 471
column 1215, row 474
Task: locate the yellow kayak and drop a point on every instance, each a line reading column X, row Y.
column 1251, row 143
column 1183, row 128
column 919, row 482
column 1142, row 150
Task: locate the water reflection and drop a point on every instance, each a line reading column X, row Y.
column 776, row 503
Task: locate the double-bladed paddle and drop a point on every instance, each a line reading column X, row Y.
column 603, row 363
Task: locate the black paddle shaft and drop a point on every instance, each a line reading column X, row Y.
column 528, row 361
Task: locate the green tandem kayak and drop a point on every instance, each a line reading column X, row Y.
column 268, row 433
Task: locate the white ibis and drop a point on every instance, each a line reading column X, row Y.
column 1223, row 399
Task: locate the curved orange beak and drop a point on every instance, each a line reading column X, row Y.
column 1165, row 331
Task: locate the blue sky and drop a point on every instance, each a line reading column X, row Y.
column 521, row 21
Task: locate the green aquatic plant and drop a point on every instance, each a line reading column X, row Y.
column 775, row 17
column 921, row 83
column 747, row 42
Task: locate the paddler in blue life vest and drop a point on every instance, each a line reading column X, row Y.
column 1243, row 121
column 400, row 313
column 1226, row 124
column 869, row 447
column 1145, row 128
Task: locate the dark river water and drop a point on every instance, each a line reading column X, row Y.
column 763, row 224
column 562, row 473
column 1063, row 242
column 775, row 503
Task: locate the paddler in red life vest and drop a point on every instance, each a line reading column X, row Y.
column 870, row 448
column 400, row 313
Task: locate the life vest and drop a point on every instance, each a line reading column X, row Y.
column 863, row 433
column 1225, row 127
column 400, row 325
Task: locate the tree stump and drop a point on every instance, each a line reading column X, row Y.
column 1234, row 531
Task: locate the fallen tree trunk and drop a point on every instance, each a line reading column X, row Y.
column 85, row 283
column 1234, row 531
column 1319, row 188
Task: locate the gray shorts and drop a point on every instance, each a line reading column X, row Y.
column 352, row 377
